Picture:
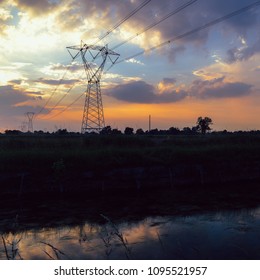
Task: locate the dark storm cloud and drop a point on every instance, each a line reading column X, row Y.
column 14, row 95
column 10, row 97
column 133, row 92
column 141, row 92
column 228, row 90
column 218, row 88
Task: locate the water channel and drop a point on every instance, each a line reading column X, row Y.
column 229, row 234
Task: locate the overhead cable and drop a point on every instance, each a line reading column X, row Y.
column 143, row 4
column 123, row 20
column 195, row 30
column 155, row 23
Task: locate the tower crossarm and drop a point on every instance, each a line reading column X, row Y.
column 93, row 69
column 92, row 47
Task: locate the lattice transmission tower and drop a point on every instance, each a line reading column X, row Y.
column 30, row 116
column 94, row 59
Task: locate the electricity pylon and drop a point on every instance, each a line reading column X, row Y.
column 94, row 59
column 30, row 116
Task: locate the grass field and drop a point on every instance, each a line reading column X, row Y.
column 65, row 157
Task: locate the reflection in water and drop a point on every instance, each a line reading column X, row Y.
column 222, row 235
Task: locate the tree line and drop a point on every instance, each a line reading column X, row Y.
column 202, row 126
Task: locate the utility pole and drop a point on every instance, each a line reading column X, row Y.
column 150, row 123
column 30, row 116
column 94, row 59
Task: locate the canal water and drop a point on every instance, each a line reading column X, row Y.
column 212, row 235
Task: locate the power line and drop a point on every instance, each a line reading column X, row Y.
column 93, row 101
column 155, row 23
column 55, row 89
column 123, row 20
column 67, row 107
column 143, row 4
column 207, row 25
column 61, row 99
column 119, row 23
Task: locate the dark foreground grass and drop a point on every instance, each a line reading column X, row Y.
column 62, row 157
column 26, row 153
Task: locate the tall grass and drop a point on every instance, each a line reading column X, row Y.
column 11, row 248
column 120, row 237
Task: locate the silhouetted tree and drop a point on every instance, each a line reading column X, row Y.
column 173, row 131
column 106, row 130
column 39, row 132
column 187, row 130
column 194, row 129
column 139, row 131
column 154, row 131
column 116, row 131
column 13, row 132
column 61, row 131
column 203, row 124
column 129, row 131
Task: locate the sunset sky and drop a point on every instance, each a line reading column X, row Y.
column 214, row 72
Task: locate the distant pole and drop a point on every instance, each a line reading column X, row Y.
column 30, row 116
column 150, row 123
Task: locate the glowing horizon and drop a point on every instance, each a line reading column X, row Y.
column 212, row 73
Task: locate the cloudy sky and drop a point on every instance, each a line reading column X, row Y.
column 212, row 72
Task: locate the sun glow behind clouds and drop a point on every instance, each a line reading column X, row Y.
column 12, row 72
column 32, row 36
column 34, row 58
column 5, row 14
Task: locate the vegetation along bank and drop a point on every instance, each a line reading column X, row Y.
column 70, row 162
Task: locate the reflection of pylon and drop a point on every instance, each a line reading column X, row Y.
column 93, row 115
column 30, row 116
